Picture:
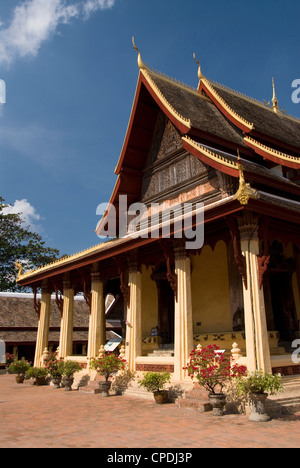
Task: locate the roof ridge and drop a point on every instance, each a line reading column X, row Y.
column 174, row 80
column 252, row 99
column 238, row 117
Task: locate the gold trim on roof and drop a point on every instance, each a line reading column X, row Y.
column 271, row 151
column 211, row 155
column 244, row 122
column 164, row 100
column 64, row 260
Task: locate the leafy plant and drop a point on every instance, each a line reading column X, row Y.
column 155, row 381
column 36, row 372
column 54, row 365
column 212, row 369
column 9, row 359
column 69, row 368
column 122, row 380
column 107, row 365
column 19, row 367
column 258, row 382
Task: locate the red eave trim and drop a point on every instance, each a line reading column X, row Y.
column 271, row 157
column 210, row 162
column 185, row 129
column 218, row 104
column 130, row 125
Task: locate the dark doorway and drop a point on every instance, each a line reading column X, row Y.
column 282, row 300
column 283, row 305
column 166, row 311
column 27, row 352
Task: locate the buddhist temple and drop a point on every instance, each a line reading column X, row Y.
column 235, row 162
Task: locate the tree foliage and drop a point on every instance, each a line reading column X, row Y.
column 19, row 243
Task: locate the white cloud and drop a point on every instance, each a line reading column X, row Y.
column 27, row 212
column 36, row 21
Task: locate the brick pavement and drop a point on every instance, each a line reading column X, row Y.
column 41, row 417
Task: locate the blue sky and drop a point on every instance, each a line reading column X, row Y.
column 71, row 72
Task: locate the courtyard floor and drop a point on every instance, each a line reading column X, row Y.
column 41, row 417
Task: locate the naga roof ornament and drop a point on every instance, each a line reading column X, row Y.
column 200, row 74
column 245, row 191
column 141, row 64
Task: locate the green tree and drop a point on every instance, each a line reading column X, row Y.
column 19, row 243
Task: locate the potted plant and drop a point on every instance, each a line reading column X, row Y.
column 69, row 368
column 20, row 368
column 54, row 367
column 9, row 359
column 39, row 374
column 257, row 386
column 107, row 365
column 213, row 371
column 155, row 382
column 122, row 381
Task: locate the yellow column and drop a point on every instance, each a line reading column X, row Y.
column 66, row 331
column 43, row 326
column 183, row 314
column 257, row 343
column 97, row 324
column 134, row 317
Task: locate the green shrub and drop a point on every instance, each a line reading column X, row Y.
column 259, row 382
column 155, row 381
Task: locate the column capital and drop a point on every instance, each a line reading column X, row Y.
column 96, row 277
column 68, row 285
column 180, row 251
column 248, row 227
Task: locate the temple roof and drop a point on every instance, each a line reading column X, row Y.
column 277, row 126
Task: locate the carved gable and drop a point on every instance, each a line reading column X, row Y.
column 170, row 169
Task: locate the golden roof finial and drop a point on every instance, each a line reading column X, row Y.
column 19, row 267
column 141, row 64
column 200, row 76
column 274, row 99
column 245, row 191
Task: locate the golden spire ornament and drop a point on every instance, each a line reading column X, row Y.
column 200, row 75
column 274, row 99
column 141, row 64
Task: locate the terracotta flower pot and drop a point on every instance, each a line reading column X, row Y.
column 218, row 402
column 161, row 397
column 20, row 379
column 40, row 381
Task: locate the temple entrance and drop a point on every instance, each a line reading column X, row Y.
column 166, row 311
column 282, row 300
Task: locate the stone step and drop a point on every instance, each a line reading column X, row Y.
column 197, row 398
column 282, row 406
